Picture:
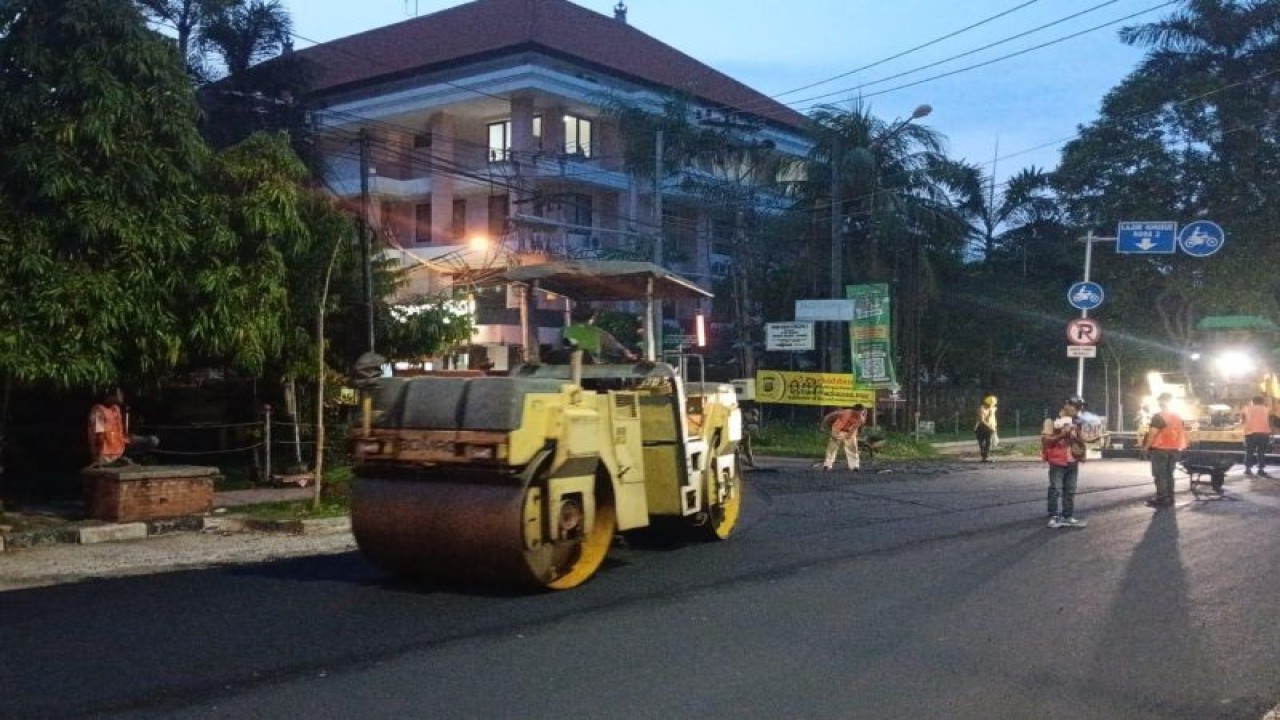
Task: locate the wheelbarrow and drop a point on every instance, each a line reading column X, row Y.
column 869, row 445
column 1207, row 468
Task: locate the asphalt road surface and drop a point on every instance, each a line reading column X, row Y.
column 922, row 591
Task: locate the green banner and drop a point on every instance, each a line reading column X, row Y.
column 871, row 336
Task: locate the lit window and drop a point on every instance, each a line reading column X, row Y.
column 500, row 141
column 577, row 136
column 500, row 138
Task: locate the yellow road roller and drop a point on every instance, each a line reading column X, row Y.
column 525, row 479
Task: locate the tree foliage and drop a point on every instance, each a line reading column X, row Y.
column 99, row 168
column 127, row 248
column 1190, row 134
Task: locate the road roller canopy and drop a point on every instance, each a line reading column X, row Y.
column 606, row 280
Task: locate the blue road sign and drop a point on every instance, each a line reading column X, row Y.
column 1085, row 295
column 1145, row 237
column 1201, row 238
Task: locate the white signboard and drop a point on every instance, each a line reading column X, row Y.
column 1082, row 351
column 831, row 310
column 793, row 336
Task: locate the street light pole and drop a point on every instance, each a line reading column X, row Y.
column 911, row 314
column 1089, row 239
column 366, row 261
column 834, row 340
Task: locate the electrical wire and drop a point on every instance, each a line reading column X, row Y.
column 908, row 51
column 983, row 64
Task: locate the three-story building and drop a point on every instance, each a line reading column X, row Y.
column 482, row 135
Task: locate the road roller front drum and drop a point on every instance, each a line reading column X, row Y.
column 496, row 530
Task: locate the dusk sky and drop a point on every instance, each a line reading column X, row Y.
column 1030, row 104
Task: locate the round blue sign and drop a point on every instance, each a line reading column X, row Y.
column 1085, row 295
column 1201, row 238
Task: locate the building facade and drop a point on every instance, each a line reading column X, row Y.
column 487, row 134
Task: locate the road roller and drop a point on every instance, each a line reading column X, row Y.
column 524, row 480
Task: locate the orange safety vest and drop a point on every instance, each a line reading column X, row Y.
column 1257, row 419
column 1173, row 436
column 843, row 421
column 106, row 432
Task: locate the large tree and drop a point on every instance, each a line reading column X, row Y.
column 99, row 167
column 1190, row 134
column 129, row 248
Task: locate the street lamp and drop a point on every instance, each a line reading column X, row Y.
column 915, row 310
column 836, row 340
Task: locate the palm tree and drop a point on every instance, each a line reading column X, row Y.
column 246, row 33
column 233, row 33
column 896, row 190
column 186, row 18
column 1004, row 222
column 894, row 181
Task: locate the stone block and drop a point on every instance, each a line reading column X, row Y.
column 112, row 533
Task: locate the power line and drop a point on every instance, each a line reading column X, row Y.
column 985, row 63
column 908, row 51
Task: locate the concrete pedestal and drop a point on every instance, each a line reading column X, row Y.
column 148, row 492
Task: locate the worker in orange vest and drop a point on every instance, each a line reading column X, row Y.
column 1164, row 442
column 1257, row 435
column 843, row 426
column 108, row 434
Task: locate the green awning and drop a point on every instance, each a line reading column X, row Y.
column 1237, row 322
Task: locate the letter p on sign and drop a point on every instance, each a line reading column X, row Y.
column 1084, row 331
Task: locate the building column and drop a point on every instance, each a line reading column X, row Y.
column 523, row 143
column 553, row 130
column 443, row 127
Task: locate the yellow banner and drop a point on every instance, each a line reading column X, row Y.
column 801, row 388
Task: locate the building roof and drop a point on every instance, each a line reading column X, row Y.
column 606, row 280
column 487, row 28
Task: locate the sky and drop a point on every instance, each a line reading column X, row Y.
column 1006, row 115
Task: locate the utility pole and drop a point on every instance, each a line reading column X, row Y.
column 365, row 251
column 835, row 358
column 742, row 290
column 659, row 172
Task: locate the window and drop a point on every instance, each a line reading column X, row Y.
column 578, row 209
column 500, row 138
column 680, row 230
column 500, row 141
column 499, row 211
column 459, row 218
column 422, row 223
column 577, row 136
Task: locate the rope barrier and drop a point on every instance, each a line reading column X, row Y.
column 149, row 426
column 292, row 425
column 205, row 452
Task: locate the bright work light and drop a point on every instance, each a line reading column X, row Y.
column 1234, row 363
